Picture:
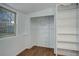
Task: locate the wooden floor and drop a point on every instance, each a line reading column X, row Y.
column 37, row 51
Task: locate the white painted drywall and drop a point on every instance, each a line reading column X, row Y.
column 77, row 27
column 46, row 12
column 15, row 44
column 40, row 31
column 10, row 46
column 31, row 7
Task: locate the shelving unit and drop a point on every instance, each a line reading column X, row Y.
column 67, row 29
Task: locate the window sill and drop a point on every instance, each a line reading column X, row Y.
column 7, row 35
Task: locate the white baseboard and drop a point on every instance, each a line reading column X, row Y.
column 28, row 47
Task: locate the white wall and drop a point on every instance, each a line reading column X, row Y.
column 15, row 44
column 77, row 27
column 46, row 12
column 42, row 31
column 52, row 32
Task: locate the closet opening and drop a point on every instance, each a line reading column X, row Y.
column 42, row 32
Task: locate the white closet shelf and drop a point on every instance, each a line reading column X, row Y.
column 74, row 42
column 67, row 34
column 67, row 48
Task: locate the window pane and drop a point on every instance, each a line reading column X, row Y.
column 7, row 22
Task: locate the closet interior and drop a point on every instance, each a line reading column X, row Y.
column 42, row 31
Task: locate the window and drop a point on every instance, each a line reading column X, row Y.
column 7, row 22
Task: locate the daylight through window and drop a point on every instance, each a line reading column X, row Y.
column 7, row 22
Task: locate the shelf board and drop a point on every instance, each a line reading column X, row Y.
column 68, row 42
column 67, row 34
column 67, row 48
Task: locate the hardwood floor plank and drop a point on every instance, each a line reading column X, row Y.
column 37, row 51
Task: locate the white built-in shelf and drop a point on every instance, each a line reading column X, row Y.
column 67, row 34
column 73, row 42
column 67, row 48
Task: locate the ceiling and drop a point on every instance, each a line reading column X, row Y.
column 30, row 7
